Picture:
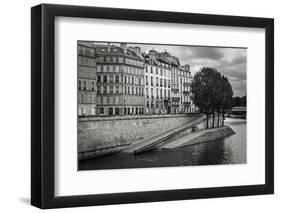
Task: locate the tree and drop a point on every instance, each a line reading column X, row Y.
column 212, row 93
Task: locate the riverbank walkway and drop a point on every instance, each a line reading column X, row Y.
column 158, row 140
column 199, row 137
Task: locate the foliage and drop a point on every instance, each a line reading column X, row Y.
column 211, row 92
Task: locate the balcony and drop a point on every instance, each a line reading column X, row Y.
column 175, row 90
column 175, row 99
column 186, row 93
column 186, row 84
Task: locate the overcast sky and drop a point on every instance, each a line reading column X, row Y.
column 231, row 62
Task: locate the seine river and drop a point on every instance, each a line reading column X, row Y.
column 228, row 150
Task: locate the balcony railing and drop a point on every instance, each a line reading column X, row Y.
column 186, row 103
column 175, row 99
column 186, row 92
column 175, row 90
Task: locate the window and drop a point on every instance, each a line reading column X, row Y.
column 147, row 95
column 117, row 79
column 99, row 78
column 161, row 72
column 157, row 94
column 111, row 89
column 85, row 87
column 104, row 68
column 79, row 85
column 110, row 111
column 121, row 60
column 117, row 89
column 156, row 71
column 101, row 112
column 146, row 69
column 98, row 89
column 104, row 89
column 93, row 86
column 151, row 69
column 125, row 79
column 105, row 79
column 116, row 111
column 111, row 79
column 151, row 82
column 146, row 80
column 98, row 68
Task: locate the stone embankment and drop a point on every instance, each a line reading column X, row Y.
column 200, row 136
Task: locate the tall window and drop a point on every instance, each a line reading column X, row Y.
column 151, row 69
column 151, row 82
column 111, row 89
column 117, row 89
column 104, row 89
column 117, row 79
column 105, row 79
column 111, row 79
column 79, row 85
column 99, row 78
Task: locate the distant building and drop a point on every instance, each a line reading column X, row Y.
column 157, row 84
column 87, row 87
column 120, row 80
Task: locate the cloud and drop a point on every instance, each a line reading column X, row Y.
column 207, row 53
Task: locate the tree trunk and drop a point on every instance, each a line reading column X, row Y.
column 207, row 120
column 213, row 125
column 223, row 118
column 218, row 121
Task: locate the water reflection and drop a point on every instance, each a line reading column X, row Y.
column 229, row 150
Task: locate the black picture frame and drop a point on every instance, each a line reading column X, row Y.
column 43, row 105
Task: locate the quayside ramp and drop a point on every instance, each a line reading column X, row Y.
column 158, row 140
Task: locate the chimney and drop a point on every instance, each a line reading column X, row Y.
column 124, row 47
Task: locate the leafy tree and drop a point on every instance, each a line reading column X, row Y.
column 212, row 93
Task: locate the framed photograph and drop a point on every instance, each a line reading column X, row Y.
column 139, row 106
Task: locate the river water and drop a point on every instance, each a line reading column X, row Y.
column 228, row 150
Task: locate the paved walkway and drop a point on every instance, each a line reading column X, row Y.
column 199, row 137
column 152, row 141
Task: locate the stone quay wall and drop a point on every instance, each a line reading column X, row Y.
column 103, row 135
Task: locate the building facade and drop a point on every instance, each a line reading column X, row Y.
column 120, row 80
column 181, row 79
column 87, row 75
column 157, row 84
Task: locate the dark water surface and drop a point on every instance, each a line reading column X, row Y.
column 228, row 150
